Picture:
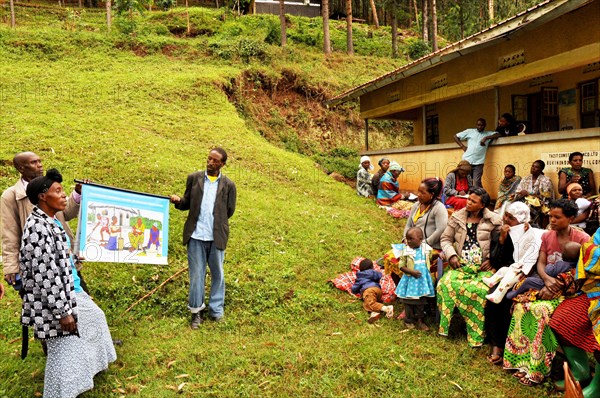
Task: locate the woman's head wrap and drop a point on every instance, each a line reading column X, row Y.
column 364, row 159
column 395, row 166
column 520, row 211
column 42, row 184
column 571, row 186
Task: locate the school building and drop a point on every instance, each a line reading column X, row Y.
column 542, row 66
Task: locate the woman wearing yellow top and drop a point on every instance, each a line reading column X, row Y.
column 429, row 213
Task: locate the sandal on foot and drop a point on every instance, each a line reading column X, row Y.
column 374, row 317
column 495, row 359
column 519, row 375
column 401, row 316
column 526, row 381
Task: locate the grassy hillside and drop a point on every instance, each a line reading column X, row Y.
column 97, row 106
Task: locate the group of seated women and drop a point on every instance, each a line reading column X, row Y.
column 536, row 189
column 555, row 301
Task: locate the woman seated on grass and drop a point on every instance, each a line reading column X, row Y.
column 363, row 178
column 509, row 244
column 429, row 213
column 466, row 245
column 531, row 345
column 577, row 173
column 576, row 321
column 508, row 185
column 389, row 189
column 458, row 183
column 384, row 164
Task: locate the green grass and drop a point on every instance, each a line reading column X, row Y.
column 91, row 107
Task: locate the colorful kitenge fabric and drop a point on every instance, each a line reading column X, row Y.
column 584, row 181
column 588, row 269
column 346, row 280
column 507, row 186
column 389, row 190
column 542, row 188
column 571, row 323
column 464, row 289
column 531, row 344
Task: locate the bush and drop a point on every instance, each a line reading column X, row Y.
column 416, row 48
column 164, row 5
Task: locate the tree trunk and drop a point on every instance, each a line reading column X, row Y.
column 108, row 16
column 425, row 22
column 394, row 32
column 434, row 27
column 490, row 11
column 462, row 21
column 326, row 38
column 80, row 3
column 349, row 46
column 282, row 22
column 416, row 12
column 12, row 14
column 187, row 16
column 374, row 12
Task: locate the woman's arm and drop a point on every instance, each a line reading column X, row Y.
column 582, row 217
column 450, row 185
column 592, row 184
column 446, row 241
column 562, row 182
column 440, row 217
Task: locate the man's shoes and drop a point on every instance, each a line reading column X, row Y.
column 217, row 318
column 196, row 320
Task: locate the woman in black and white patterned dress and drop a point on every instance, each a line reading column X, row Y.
column 54, row 304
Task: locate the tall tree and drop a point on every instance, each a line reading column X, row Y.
column 434, row 25
column 490, row 11
column 108, row 16
column 394, row 13
column 326, row 38
column 425, row 22
column 374, row 12
column 187, row 16
column 12, row 14
column 349, row 45
column 416, row 9
column 282, row 22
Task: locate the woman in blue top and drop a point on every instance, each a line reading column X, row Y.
column 54, row 304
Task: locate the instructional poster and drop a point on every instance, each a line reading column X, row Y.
column 121, row 226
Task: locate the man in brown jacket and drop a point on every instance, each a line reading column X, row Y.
column 210, row 198
column 15, row 208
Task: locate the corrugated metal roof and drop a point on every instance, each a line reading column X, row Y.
column 524, row 20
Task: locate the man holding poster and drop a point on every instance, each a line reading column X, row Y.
column 210, row 198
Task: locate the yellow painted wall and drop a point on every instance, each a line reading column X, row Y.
column 460, row 114
column 439, row 160
column 572, row 30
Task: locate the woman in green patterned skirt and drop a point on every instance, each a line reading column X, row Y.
column 466, row 245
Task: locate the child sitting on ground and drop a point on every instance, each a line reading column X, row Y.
column 570, row 257
column 416, row 284
column 367, row 283
column 527, row 243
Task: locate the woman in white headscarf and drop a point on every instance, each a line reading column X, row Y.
column 526, row 241
column 363, row 178
column 515, row 243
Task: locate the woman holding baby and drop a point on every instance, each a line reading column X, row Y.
column 531, row 344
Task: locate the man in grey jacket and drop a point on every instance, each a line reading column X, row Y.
column 15, row 208
column 210, row 198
